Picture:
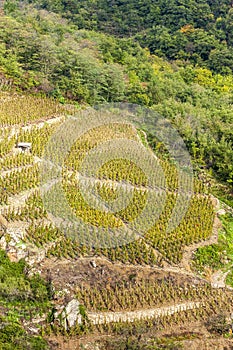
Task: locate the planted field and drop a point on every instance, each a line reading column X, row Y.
column 22, row 110
column 117, row 179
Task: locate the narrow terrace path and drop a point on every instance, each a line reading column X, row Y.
column 131, row 316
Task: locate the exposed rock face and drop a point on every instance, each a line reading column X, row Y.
column 221, row 212
column 3, row 243
column 12, row 242
column 70, row 315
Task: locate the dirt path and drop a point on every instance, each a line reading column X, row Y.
column 15, row 129
column 40, row 124
column 131, row 316
column 17, row 169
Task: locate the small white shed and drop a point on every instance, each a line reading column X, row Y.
column 24, row 146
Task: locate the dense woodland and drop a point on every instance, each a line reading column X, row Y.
column 196, row 30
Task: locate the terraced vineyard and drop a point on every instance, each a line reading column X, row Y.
column 20, row 172
column 116, row 219
column 22, row 110
column 31, row 226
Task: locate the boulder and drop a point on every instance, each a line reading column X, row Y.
column 221, row 212
column 70, row 315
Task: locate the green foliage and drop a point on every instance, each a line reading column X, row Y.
column 20, row 297
column 13, row 337
column 219, row 255
column 229, row 279
column 16, row 286
column 189, row 30
column 209, row 256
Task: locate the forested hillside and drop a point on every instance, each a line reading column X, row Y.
column 196, row 30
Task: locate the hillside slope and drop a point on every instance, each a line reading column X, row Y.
column 72, row 287
column 53, row 57
column 198, row 31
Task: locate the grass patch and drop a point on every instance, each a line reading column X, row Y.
column 21, row 297
column 220, row 255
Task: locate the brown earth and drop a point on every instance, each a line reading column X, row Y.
column 193, row 336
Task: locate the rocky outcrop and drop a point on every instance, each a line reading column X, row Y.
column 69, row 316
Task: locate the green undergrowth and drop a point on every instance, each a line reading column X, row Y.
column 223, row 193
column 21, row 299
column 14, row 337
column 219, row 255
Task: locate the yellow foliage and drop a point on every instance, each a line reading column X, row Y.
column 159, row 65
column 187, row 29
column 204, row 77
column 218, row 82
